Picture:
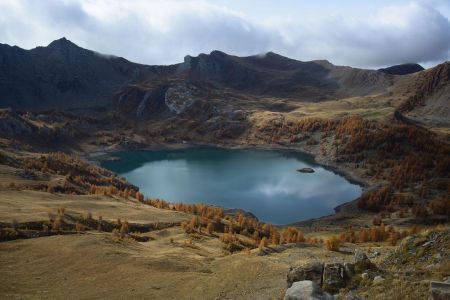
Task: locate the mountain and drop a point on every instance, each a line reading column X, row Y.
column 402, row 69
column 274, row 75
column 63, row 75
column 428, row 95
column 270, row 74
column 250, row 82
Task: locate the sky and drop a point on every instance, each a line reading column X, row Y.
column 366, row 34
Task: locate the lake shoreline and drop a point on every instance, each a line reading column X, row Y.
column 324, row 162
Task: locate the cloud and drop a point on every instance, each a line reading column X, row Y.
column 163, row 32
column 395, row 34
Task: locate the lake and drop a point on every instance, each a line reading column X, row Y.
column 263, row 182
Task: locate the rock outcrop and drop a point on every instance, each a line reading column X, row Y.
column 141, row 101
column 180, row 97
column 362, row 262
column 378, row 279
column 312, row 272
column 439, row 290
column 306, row 290
column 332, row 277
column 349, row 270
column 306, row 170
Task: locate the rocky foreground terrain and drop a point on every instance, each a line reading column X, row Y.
column 70, row 229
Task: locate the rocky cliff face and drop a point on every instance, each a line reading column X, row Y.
column 158, row 98
column 139, row 101
column 180, row 97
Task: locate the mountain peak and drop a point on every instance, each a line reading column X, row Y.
column 402, row 69
column 217, row 53
column 271, row 53
column 62, row 43
column 272, row 56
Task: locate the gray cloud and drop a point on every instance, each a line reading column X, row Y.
column 162, row 32
column 411, row 33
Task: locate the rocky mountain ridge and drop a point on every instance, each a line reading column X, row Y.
column 403, row 69
column 65, row 76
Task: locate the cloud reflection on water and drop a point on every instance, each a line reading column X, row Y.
column 263, row 182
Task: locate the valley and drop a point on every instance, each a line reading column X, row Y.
column 89, row 233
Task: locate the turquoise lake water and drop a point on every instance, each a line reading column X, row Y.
column 262, row 182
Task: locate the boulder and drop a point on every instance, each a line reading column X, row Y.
column 333, row 277
column 311, row 271
column 439, row 290
column 352, row 296
column 349, row 271
column 306, row 170
column 362, row 262
column 306, row 290
column 378, row 280
column 374, row 254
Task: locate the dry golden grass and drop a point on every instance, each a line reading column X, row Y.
column 26, row 206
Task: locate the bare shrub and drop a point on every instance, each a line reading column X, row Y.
column 210, row 228
column 61, row 211
column 377, row 220
column 263, row 243
column 333, row 243
column 56, row 224
column 124, row 229
column 79, row 227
